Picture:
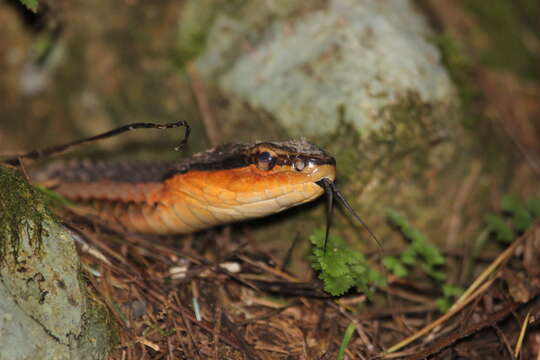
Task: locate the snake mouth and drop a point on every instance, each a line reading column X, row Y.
column 331, row 190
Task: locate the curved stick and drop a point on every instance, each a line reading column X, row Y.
column 36, row 154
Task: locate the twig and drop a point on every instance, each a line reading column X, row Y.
column 266, row 316
column 531, row 160
column 203, row 104
column 169, row 347
column 504, row 340
column 187, row 324
column 395, row 311
column 463, row 193
column 203, row 324
column 467, row 331
column 217, row 329
column 36, row 154
column 439, row 321
column 289, row 253
column 219, row 269
column 358, row 327
column 491, row 268
column 178, row 337
column 246, row 348
column 424, row 300
column 477, row 288
column 522, row 335
column 23, row 168
column 271, row 270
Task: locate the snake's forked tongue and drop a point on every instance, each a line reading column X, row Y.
column 331, row 191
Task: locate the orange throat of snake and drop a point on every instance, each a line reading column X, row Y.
column 227, row 196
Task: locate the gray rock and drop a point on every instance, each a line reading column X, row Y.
column 45, row 283
column 44, row 310
column 346, row 61
column 21, row 337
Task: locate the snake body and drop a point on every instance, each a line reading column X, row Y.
column 229, row 183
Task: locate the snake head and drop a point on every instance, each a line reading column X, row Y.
column 241, row 181
column 300, row 159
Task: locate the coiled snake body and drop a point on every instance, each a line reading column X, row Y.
column 226, row 184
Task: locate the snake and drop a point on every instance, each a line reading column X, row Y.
column 226, row 184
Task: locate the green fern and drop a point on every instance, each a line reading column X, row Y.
column 342, row 268
column 396, row 266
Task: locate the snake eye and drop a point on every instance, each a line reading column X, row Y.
column 265, row 161
column 299, row 164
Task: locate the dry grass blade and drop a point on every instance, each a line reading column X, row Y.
column 522, row 335
column 486, row 273
column 425, row 330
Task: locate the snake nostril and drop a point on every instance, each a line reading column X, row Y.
column 299, row 164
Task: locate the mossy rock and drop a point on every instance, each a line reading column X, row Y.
column 45, row 311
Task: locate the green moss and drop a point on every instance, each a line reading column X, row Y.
column 460, row 68
column 396, row 147
column 411, row 130
column 343, row 144
column 99, row 332
column 21, row 209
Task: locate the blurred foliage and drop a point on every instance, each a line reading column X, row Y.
column 419, row 253
column 509, row 24
column 31, row 5
column 460, row 67
column 517, row 218
column 197, row 17
column 450, row 292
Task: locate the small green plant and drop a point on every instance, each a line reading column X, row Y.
column 520, row 217
column 450, row 293
column 345, row 342
column 534, row 207
column 31, row 5
column 341, row 267
column 52, row 198
column 420, row 253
